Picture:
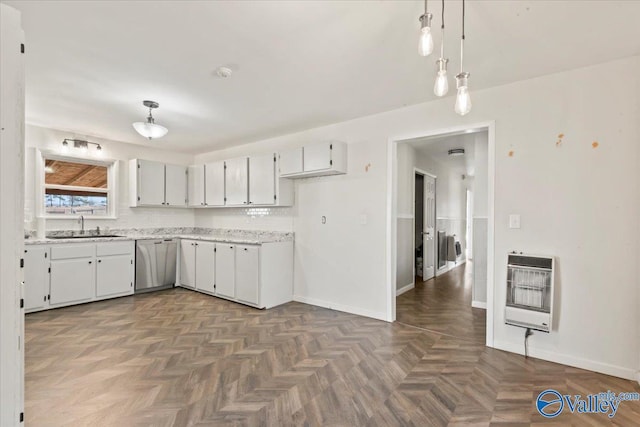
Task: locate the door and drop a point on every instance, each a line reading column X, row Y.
column 317, row 156
column 150, row 183
column 248, row 274
column 113, row 275
column 36, row 278
column 72, row 280
column 205, row 266
column 176, row 185
column 429, row 228
column 195, row 185
column 225, row 270
column 262, row 180
column 214, row 187
column 237, row 184
column 291, row 161
column 188, row 263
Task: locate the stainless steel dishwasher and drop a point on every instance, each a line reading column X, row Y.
column 155, row 264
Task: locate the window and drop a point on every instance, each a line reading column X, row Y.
column 75, row 187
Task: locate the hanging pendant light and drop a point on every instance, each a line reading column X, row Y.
column 463, row 99
column 425, row 46
column 150, row 129
column 441, row 86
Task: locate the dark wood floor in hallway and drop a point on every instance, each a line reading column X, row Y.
column 443, row 304
column 179, row 358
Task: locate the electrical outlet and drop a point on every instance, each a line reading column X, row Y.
column 514, row 221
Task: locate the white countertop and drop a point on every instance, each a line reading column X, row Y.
column 213, row 235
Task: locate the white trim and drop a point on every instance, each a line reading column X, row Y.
column 392, row 207
column 479, row 217
column 447, row 268
column 451, row 218
column 479, row 304
column 565, row 359
column 405, row 216
column 404, row 289
column 341, row 307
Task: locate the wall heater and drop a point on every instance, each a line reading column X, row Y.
column 529, row 291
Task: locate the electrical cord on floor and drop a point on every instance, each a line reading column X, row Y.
column 527, row 333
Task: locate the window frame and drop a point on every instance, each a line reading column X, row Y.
column 111, row 190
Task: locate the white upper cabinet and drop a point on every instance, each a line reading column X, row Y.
column 150, row 183
column 214, row 184
column 157, row 184
column 291, row 162
column 325, row 158
column 262, row 180
column 196, row 185
column 237, row 180
column 175, row 185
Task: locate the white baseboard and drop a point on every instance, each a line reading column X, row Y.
column 479, row 304
column 565, row 359
column 404, row 289
column 448, row 267
column 341, row 307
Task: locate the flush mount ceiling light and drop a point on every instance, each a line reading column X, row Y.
column 150, row 129
column 425, row 45
column 80, row 144
column 456, row 152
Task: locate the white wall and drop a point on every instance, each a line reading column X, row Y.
column 405, row 221
column 480, row 225
column 51, row 139
column 566, row 195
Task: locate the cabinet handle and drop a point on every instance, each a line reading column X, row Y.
column 99, row 260
column 90, row 262
column 245, row 249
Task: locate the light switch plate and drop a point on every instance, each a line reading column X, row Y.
column 514, row 221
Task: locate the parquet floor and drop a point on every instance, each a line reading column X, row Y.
column 443, row 304
column 179, row 358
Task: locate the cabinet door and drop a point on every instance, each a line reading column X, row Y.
column 150, row 183
column 114, row 275
column 291, row 161
column 236, row 182
column 205, row 266
column 72, row 280
column 262, row 180
column 214, row 188
column 317, row 156
column 176, row 185
column 225, row 270
column 196, row 185
column 248, row 274
column 36, row 278
column 188, row 263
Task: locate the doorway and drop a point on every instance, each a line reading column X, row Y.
column 453, row 225
column 424, row 224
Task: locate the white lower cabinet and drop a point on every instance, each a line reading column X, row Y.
column 260, row 275
column 205, row 266
column 77, row 273
column 188, row 263
column 36, row 278
column 225, row 270
column 248, row 274
column 72, row 281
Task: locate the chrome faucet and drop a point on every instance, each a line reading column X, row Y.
column 81, row 221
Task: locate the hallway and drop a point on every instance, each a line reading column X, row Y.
column 443, row 305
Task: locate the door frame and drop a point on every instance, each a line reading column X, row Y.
column 418, row 171
column 392, row 214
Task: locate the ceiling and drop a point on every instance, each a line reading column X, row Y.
column 438, row 149
column 297, row 64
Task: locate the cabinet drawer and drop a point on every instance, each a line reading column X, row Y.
column 114, row 248
column 73, row 251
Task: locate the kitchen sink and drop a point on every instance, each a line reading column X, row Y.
column 84, row 236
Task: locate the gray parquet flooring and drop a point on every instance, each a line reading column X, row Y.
column 179, row 358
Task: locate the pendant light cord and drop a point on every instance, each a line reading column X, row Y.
column 462, row 42
column 442, row 27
